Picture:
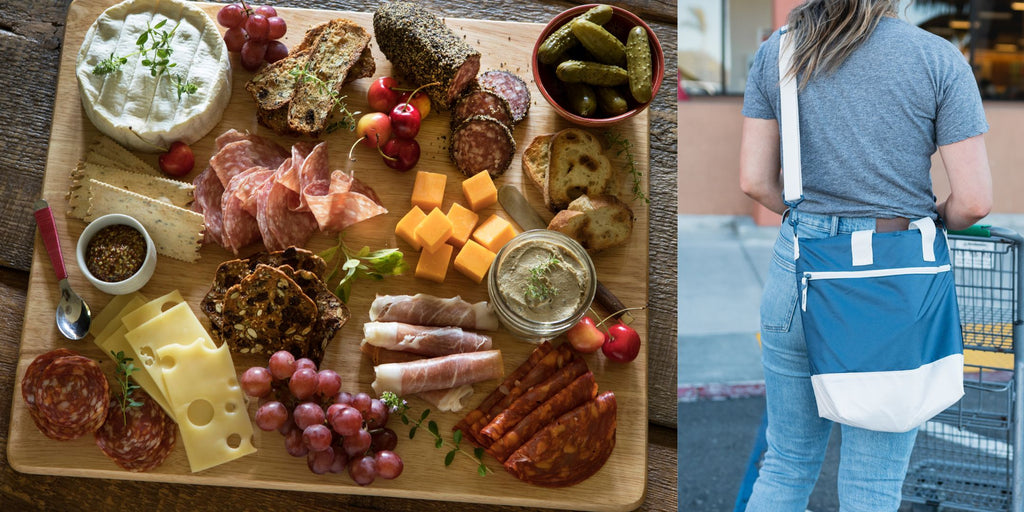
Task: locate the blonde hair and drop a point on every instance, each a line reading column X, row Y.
column 826, row 32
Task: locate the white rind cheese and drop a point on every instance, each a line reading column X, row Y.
column 130, row 99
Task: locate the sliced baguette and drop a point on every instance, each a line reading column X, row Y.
column 577, row 166
column 597, row 222
column 535, row 160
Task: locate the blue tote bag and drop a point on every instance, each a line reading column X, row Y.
column 879, row 309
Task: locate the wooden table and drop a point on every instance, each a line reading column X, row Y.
column 31, row 35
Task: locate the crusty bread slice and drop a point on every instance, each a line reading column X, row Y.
column 597, row 222
column 577, row 166
column 535, row 160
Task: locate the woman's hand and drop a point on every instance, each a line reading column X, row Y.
column 970, row 183
column 759, row 163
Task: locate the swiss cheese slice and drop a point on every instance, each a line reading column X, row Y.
column 113, row 311
column 177, row 325
column 115, row 342
column 143, row 112
column 208, row 403
column 151, row 309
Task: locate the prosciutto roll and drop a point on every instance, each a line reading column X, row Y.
column 448, row 400
column 438, row 372
column 423, row 309
column 425, row 341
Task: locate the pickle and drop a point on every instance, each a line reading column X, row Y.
column 638, row 64
column 599, row 42
column 592, row 73
column 582, row 100
column 611, row 102
column 561, row 40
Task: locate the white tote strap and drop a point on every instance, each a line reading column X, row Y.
column 927, row 228
column 790, row 113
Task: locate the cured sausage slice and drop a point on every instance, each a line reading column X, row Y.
column 569, row 450
column 344, row 201
column 279, row 224
column 240, row 227
column 251, row 181
column 510, row 87
column 208, row 193
column 240, row 156
column 71, row 397
column 134, row 444
column 482, row 143
column 288, row 173
column 478, row 102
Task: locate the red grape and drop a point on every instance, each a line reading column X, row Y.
column 308, row 413
column 288, row 426
column 253, row 53
column 282, row 364
column 276, row 27
column 256, row 382
column 363, row 470
column 361, row 401
column 340, row 461
column 271, row 416
column 383, row 439
column 321, row 461
column 303, row 383
column 266, row 10
column 357, row 444
column 343, row 398
column 328, row 383
column 317, row 438
column 257, row 27
column 305, row 362
column 294, row 445
column 389, row 464
column 405, row 120
column 377, row 416
column 231, row 16
column 276, row 50
column 234, row 39
column 344, row 419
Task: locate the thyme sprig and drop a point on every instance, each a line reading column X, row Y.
column 348, row 118
column 154, row 46
column 537, row 287
column 125, row 368
column 624, row 148
column 399, row 406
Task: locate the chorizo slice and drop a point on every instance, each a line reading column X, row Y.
column 72, row 397
column 130, row 437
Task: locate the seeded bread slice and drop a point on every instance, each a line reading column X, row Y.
column 577, row 166
column 597, row 223
column 266, row 312
column 535, row 160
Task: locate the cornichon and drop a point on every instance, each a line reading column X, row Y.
column 638, row 64
column 611, row 102
column 592, row 73
column 561, row 40
column 582, row 100
column 599, row 42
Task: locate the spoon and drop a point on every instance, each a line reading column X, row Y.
column 73, row 315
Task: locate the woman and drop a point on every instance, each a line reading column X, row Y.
column 876, row 96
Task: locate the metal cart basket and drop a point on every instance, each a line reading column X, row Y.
column 969, row 456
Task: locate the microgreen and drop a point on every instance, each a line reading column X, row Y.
column 154, row 47
column 398, row 406
column 375, row 265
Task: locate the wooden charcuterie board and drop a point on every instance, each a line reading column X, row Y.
column 620, row 484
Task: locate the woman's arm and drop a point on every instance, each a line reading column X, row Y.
column 759, row 163
column 970, row 183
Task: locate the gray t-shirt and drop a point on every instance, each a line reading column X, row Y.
column 868, row 130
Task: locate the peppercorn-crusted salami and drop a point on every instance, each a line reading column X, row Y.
column 71, row 397
column 482, row 143
column 510, row 87
column 134, row 438
column 208, row 193
column 421, row 47
column 479, row 102
column 570, row 449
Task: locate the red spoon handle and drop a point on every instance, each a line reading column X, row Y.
column 48, row 230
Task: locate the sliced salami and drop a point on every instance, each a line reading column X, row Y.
column 480, row 102
column 288, row 175
column 240, row 227
column 482, row 143
column 131, row 437
column 253, row 179
column 208, row 193
column 240, row 156
column 511, row 87
column 234, row 135
column 314, row 176
column 345, row 202
column 71, row 397
column 279, row 224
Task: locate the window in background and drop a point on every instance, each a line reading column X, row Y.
column 717, row 43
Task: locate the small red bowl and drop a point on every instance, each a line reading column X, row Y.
column 620, row 24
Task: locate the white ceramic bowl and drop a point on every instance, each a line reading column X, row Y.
column 139, row 278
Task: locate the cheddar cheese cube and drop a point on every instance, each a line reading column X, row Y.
column 463, row 222
column 433, row 264
column 474, row 260
column 406, row 228
column 494, row 233
column 480, row 191
column 434, row 230
column 428, row 191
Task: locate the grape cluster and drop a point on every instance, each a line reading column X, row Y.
column 333, row 429
column 254, row 32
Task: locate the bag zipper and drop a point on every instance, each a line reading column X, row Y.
column 859, row 274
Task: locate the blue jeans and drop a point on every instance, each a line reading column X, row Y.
column 872, row 464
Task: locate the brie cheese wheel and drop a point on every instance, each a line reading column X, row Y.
column 138, row 110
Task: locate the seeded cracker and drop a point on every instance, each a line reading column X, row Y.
column 266, row 312
column 332, row 312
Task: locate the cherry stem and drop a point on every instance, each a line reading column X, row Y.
column 386, row 157
column 353, row 148
column 619, row 312
column 414, row 91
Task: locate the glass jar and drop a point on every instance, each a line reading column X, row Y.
column 541, row 283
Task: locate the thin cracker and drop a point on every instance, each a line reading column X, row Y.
column 104, row 151
column 173, row 192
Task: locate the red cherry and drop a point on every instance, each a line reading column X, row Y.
column 405, row 121
column 401, row 154
column 178, row 160
column 585, row 337
column 420, row 100
column 381, row 95
column 623, row 343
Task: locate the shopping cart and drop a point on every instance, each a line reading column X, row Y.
column 969, row 457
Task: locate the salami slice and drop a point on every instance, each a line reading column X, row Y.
column 347, row 201
column 253, row 179
column 581, row 390
column 240, row 156
column 132, row 436
column 288, row 175
column 71, row 397
column 569, row 450
column 314, row 176
column 510, row 87
column 479, row 102
column 208, row 193
column 482, row 143
column 279, row 224
column 234, row 135
column 240, row 227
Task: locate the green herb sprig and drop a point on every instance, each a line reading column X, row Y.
column 624, row 149
column 375, row 265
column 537, row 287
column 125, row 368
column 348, row 118
column 154, row 46
column 399, row 406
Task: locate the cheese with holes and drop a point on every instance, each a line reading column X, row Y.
column 208, row 403
column 151, row 309
column 114, row 310
column 177, row 325
column 138, row 110
column 116, row 342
